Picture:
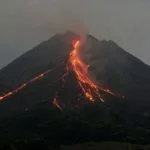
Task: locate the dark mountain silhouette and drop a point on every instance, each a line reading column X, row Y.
column 30, row 113
column 110, row 66
column 113, row 67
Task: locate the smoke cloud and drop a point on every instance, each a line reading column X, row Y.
column 25, row 23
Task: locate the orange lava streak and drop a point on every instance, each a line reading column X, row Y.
column 89, row 88
column 22, row 86
column 56, row 104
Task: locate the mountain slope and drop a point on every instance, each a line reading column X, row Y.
column 110, row 66
column 113, row 67
column 44, row 56
column 30, row 115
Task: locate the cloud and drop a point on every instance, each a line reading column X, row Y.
column 25, row 23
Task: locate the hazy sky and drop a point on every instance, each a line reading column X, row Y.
column 25, row 23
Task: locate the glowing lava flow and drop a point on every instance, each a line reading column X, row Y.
column 90, row 89
column 22, row 86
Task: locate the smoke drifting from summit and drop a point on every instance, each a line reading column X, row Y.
column 73, row 19
column 25, row 23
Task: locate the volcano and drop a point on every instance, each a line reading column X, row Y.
column 73, row 63
column 51, row 79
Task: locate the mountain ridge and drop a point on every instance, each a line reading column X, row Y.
column 30, row 116
column 110, row 66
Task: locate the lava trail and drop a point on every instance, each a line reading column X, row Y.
column 89, row 88
column 25, row 84
column 55, row 102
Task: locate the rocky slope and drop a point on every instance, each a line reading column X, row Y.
column 30, row 114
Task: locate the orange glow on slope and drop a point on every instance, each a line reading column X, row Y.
column 56, row 104
column 89, row 88
column 22, row 86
